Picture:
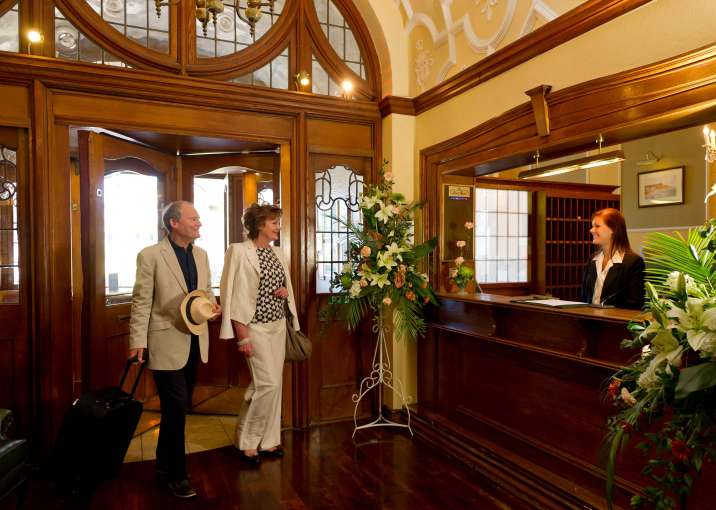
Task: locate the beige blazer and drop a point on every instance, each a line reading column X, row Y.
column 240, row 286
column 156, row 322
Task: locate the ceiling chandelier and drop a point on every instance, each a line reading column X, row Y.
column 208, row 10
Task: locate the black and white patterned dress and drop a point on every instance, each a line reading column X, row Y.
column 269, row 308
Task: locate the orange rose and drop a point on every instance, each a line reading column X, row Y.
column 410, row 295
column 399, row 280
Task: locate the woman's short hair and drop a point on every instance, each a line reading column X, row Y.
column 256, row 215
column 615, row 221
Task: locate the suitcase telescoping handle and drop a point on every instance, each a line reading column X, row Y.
column 130, row 362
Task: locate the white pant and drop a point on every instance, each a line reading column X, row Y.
column 259, row 423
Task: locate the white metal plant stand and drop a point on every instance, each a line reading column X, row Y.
column 380, row 375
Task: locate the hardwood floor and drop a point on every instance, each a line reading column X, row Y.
column 323, row 469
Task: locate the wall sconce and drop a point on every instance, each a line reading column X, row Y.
column 710, row 144
column 33, row 36
column 347, row 89
column 302, row 80
column 594, row 161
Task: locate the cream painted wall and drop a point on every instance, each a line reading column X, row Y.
column 398, row 134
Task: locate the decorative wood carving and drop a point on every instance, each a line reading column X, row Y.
column 538, row 96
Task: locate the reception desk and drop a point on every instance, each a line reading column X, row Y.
column 516, row 391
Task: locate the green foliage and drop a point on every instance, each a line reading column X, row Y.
column 667, row 396
column 382, row 270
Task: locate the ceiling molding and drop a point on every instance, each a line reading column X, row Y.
column 574, row 23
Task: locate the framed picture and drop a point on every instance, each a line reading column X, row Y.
column 661, row 187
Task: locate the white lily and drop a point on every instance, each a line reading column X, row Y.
column 379, row 279
column 385, row 259
column 368, row 201
column 698, row 324
column 385, row 213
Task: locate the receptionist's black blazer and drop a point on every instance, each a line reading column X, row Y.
column 623, row 286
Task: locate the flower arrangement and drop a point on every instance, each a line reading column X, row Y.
column 668, row 395
column 462, row 275
column 382, row 268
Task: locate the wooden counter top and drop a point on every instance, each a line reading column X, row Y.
column 620, row 315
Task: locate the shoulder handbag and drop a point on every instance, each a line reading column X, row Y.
column 298, row 345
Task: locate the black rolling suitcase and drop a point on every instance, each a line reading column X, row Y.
column 95, row 435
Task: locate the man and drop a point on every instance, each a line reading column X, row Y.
column 166, row 273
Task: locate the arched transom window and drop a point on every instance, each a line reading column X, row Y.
column 306, row 45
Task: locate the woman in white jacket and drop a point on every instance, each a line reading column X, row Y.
column 255, row 287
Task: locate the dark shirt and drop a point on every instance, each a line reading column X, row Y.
column 188, row 268
column 623, row 286
column 187, row 264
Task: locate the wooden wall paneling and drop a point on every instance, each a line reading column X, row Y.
column 15, row 100
column 111, row 112
column 137, row 84
column 51, row 278
column 525, row 437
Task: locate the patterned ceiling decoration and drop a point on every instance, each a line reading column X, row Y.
column 446, row 36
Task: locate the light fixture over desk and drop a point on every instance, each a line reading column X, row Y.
column 585, row 163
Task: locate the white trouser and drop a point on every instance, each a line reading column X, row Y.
column 259, row 423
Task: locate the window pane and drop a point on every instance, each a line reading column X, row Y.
column 131, row 221
column 340, row 36
column 274, row 74
column 137, row 20
column 210, row 203
column 10, row 31
column 71, row 44
column 501, row 239
column 337, row 192
column 9, row 245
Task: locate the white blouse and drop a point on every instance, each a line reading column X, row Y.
column 602, row 274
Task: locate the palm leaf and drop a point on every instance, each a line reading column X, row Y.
column 665, row 253
column 408, row 320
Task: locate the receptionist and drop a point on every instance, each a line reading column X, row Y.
column 615, row 274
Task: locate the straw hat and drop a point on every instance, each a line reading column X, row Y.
column 196, row 309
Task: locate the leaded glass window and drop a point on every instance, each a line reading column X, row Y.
column 138, row 20
column 9, row 239
column 501, row 235
column 321, row 82
column 71, row 44
column 337, row 201
column 10, row 30
column 231, row 34
column 274, row 74
column 340, row 35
